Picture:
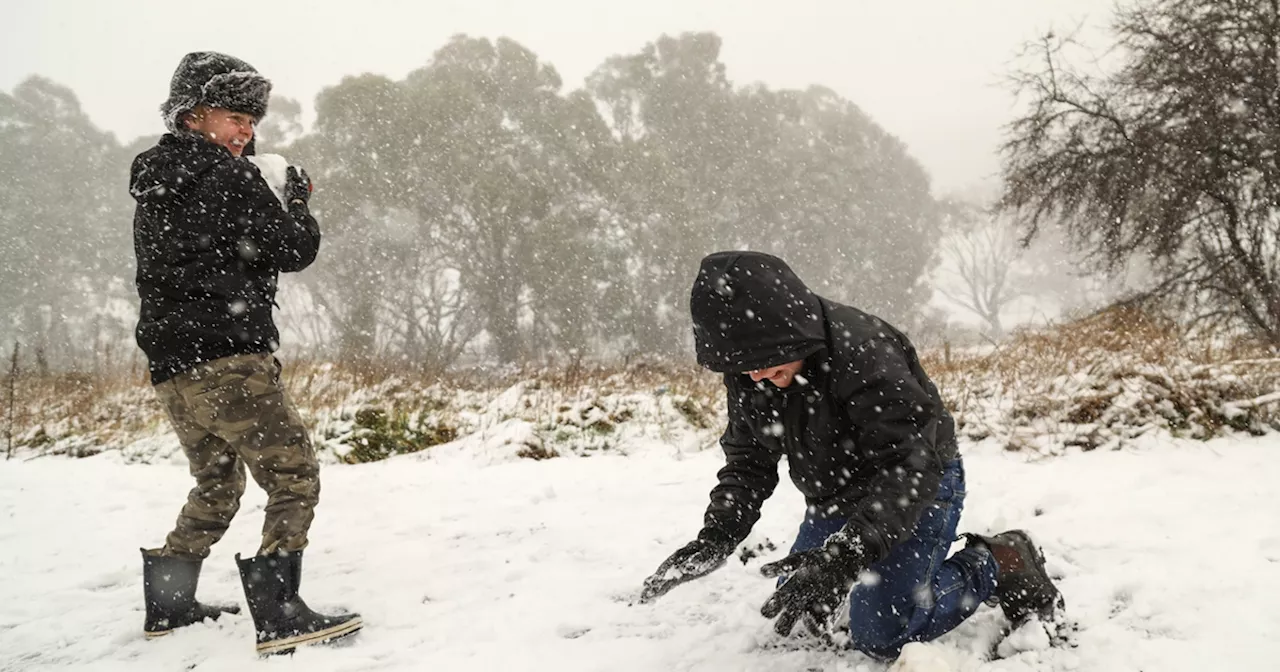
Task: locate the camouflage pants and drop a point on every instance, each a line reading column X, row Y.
column 229, row 414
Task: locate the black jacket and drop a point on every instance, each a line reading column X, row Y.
column 863, row 428
column 210, row 239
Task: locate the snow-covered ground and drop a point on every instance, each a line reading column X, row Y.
column 1169, row 554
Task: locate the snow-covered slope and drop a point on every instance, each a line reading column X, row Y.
column 1168, row 552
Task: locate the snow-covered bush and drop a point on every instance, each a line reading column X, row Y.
column 1105, row 380
column 1093, row 384
column 533, row 414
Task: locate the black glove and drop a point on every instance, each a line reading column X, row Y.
column 297, row 186
column 820, row 580
column 698, row 558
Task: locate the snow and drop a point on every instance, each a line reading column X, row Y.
column 1167, row 553
column 275, row 171
column 918, row 657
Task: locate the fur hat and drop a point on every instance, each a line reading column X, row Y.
column 216, row 80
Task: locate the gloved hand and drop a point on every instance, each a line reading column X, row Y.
column 698, row 558
column 297, row 186
column 819, row 581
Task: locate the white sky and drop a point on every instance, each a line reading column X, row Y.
column 929, row 71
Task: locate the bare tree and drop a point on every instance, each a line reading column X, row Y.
column 1172, row 157
column 980, row 255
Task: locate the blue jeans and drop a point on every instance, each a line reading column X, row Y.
column 918, row 593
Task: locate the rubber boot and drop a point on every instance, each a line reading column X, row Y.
column 282, row 619
column 169, row 588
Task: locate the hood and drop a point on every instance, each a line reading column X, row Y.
column 751, row 311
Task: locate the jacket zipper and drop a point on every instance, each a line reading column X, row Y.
column 788, row 443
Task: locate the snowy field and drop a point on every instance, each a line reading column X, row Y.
column 1168, row 553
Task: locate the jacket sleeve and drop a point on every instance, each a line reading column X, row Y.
column 895, row 422
column 267, row 234
column 747, row 479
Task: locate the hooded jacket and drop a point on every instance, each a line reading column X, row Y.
column 210, row 239
column 862, row 426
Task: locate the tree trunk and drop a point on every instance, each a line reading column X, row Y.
column 501, row 320
column 357, row 337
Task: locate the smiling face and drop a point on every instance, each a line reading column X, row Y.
column 781, row 375
column 232, row 130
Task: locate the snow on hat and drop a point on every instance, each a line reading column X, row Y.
column 216, row 80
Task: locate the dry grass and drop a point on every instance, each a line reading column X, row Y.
column 1112, row 375
column 84, row 413
column 1134, row 334
column 1107, row 378
column 314, row 383
column 106, row 407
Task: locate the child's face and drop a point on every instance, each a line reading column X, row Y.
column 232, row 130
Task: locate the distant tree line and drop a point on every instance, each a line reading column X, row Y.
column 475, row 209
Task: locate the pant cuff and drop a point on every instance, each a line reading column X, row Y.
column 980, row 567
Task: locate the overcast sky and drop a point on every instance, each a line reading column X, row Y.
column 929, row 71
